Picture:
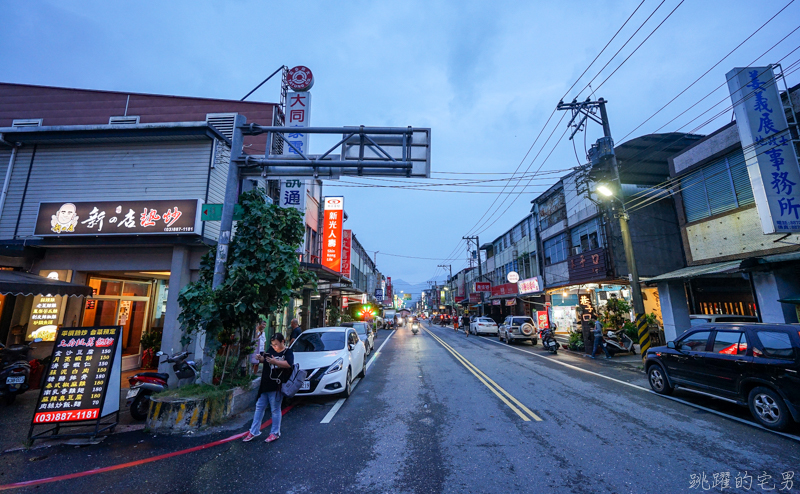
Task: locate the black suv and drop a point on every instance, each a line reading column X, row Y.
column 754, row 365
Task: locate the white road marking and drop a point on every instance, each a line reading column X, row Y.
column 650, row 391
column 336, row 406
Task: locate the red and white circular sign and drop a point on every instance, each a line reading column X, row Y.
column 300, row 78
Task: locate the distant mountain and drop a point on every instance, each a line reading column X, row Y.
column 414, row 289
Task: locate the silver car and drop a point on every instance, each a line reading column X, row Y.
column 365, row 334
column 518, row 328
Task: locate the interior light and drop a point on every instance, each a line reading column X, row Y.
column 604, row 190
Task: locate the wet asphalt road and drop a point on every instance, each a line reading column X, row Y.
column 426, row 421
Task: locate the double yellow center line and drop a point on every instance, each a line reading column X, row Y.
column 495, row 388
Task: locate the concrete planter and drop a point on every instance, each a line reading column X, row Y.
column 171, row 415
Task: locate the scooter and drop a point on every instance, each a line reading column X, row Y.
column 145, row 384
column 415, row 327
column 549, row 341
column 15, row 371
column 619, row 342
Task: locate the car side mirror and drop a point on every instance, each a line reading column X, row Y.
column 674, row 345
column 351, row 347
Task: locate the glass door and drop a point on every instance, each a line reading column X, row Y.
column 132, row 319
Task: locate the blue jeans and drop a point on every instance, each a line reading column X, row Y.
column 599, row 342
column 274, row 398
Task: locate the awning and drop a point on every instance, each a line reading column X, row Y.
column 695, row 271
column 794, row 300
column 19, row 283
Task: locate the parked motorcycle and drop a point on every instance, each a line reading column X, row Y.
column 548, row 340
column 145, row 384
column 15, row 371
column 619, row 342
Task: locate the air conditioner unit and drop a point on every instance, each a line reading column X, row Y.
column 576, row 251
column 515, row 253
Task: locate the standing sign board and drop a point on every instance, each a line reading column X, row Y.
column 768, row 151
column 333, row 213
column 542, row 320
column 347, row 241
column 83, row 381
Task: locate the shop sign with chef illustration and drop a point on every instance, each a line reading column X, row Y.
column 82, row 384
column 117, row 218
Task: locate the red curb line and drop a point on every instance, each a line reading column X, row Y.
column 111, row 468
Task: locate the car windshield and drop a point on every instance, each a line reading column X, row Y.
column 319, row 342
column 485, row 319
column 521, row 320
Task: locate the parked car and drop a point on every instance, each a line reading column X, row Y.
column 753, row 365
column 483, row 325
column 518, row 328
column 331, row 357
column 365, row 334
column 698, row 319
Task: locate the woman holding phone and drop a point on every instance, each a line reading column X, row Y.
column 278, row 369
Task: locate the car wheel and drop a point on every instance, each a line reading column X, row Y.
column 534, row 341
column 500, row 336
column 658, row 380
column 509, row 339
column 768, row 408
column 363, row 373
column 348, row 386
column 140, row 407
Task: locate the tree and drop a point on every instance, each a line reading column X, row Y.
column 615, row 313
column 263, row 271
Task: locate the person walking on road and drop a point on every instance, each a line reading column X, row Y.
column 465, row 324
column 455, row 323
column 598, row 339
column 278, row 362
column 295, row 329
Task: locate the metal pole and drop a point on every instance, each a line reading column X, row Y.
column 480, row 269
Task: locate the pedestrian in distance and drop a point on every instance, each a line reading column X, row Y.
column 259, row 342
column 465, row 324
column 455, row 323
column 278, row 361
column 598, row 338
column 295, row 330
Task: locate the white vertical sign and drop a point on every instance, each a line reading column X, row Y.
column 771, row 160
column 298, row 114
column 293, row 193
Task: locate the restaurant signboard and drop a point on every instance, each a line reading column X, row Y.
column 102, row 218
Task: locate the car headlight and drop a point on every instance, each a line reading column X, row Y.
column 335, row 367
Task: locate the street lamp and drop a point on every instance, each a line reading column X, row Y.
column 603, row 189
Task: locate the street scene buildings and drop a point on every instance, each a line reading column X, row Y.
column 505, row 255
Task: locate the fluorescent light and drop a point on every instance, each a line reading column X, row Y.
column 604, row 190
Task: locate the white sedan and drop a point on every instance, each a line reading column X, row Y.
column 332, row 359
column 483, row 325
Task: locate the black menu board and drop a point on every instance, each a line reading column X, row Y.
column 84, row 374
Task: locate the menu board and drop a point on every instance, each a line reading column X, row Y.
column 83, row 380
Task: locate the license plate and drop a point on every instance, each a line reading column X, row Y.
column 15, row 380
column 305, row 386
column 132, row 393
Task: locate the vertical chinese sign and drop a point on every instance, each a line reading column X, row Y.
column 83, row 380
column 766, row 141
column 298, row 114
column 389, row 298
column 333, row 217
column 347, row 239
column 293, row 194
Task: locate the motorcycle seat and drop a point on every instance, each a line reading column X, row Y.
column 158, row 375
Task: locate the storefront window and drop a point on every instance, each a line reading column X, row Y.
column 135, row 289
column 119, row 303
column 105, row 287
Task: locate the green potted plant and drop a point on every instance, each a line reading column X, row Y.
column 151, row 342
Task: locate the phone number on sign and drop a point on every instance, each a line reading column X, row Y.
column 45, row 417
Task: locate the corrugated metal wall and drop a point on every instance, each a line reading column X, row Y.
column 216, row 185
column 100, row 172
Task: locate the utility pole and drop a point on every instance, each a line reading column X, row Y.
column 480, row 268
column 604, row 150
column 449, row 285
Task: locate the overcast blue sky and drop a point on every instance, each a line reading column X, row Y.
column 484, row 76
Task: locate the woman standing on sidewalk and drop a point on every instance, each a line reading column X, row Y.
column 278, row 369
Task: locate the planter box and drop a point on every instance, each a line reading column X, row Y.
column 172, row 415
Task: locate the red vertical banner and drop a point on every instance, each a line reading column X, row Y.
column 333, row 217
column 389, row 294
column 347, row 239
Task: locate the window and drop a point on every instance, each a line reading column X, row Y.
column 696, row 342
column 776, row 344
column 730, row 343
column 555, row 249
column 586, row 236
column 720, row 186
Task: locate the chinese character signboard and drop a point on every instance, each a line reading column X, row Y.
column 768, row 151
column 47, row 311
column 83, row 380
column 505, row 289
column 333, row 217
column 474, row 298
column 117, row 218
column 530, row 285
column 293, row 194
column 483, row 286
column 587, row 266
column 585, row 302
column 347, row 239
column 298, row 114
